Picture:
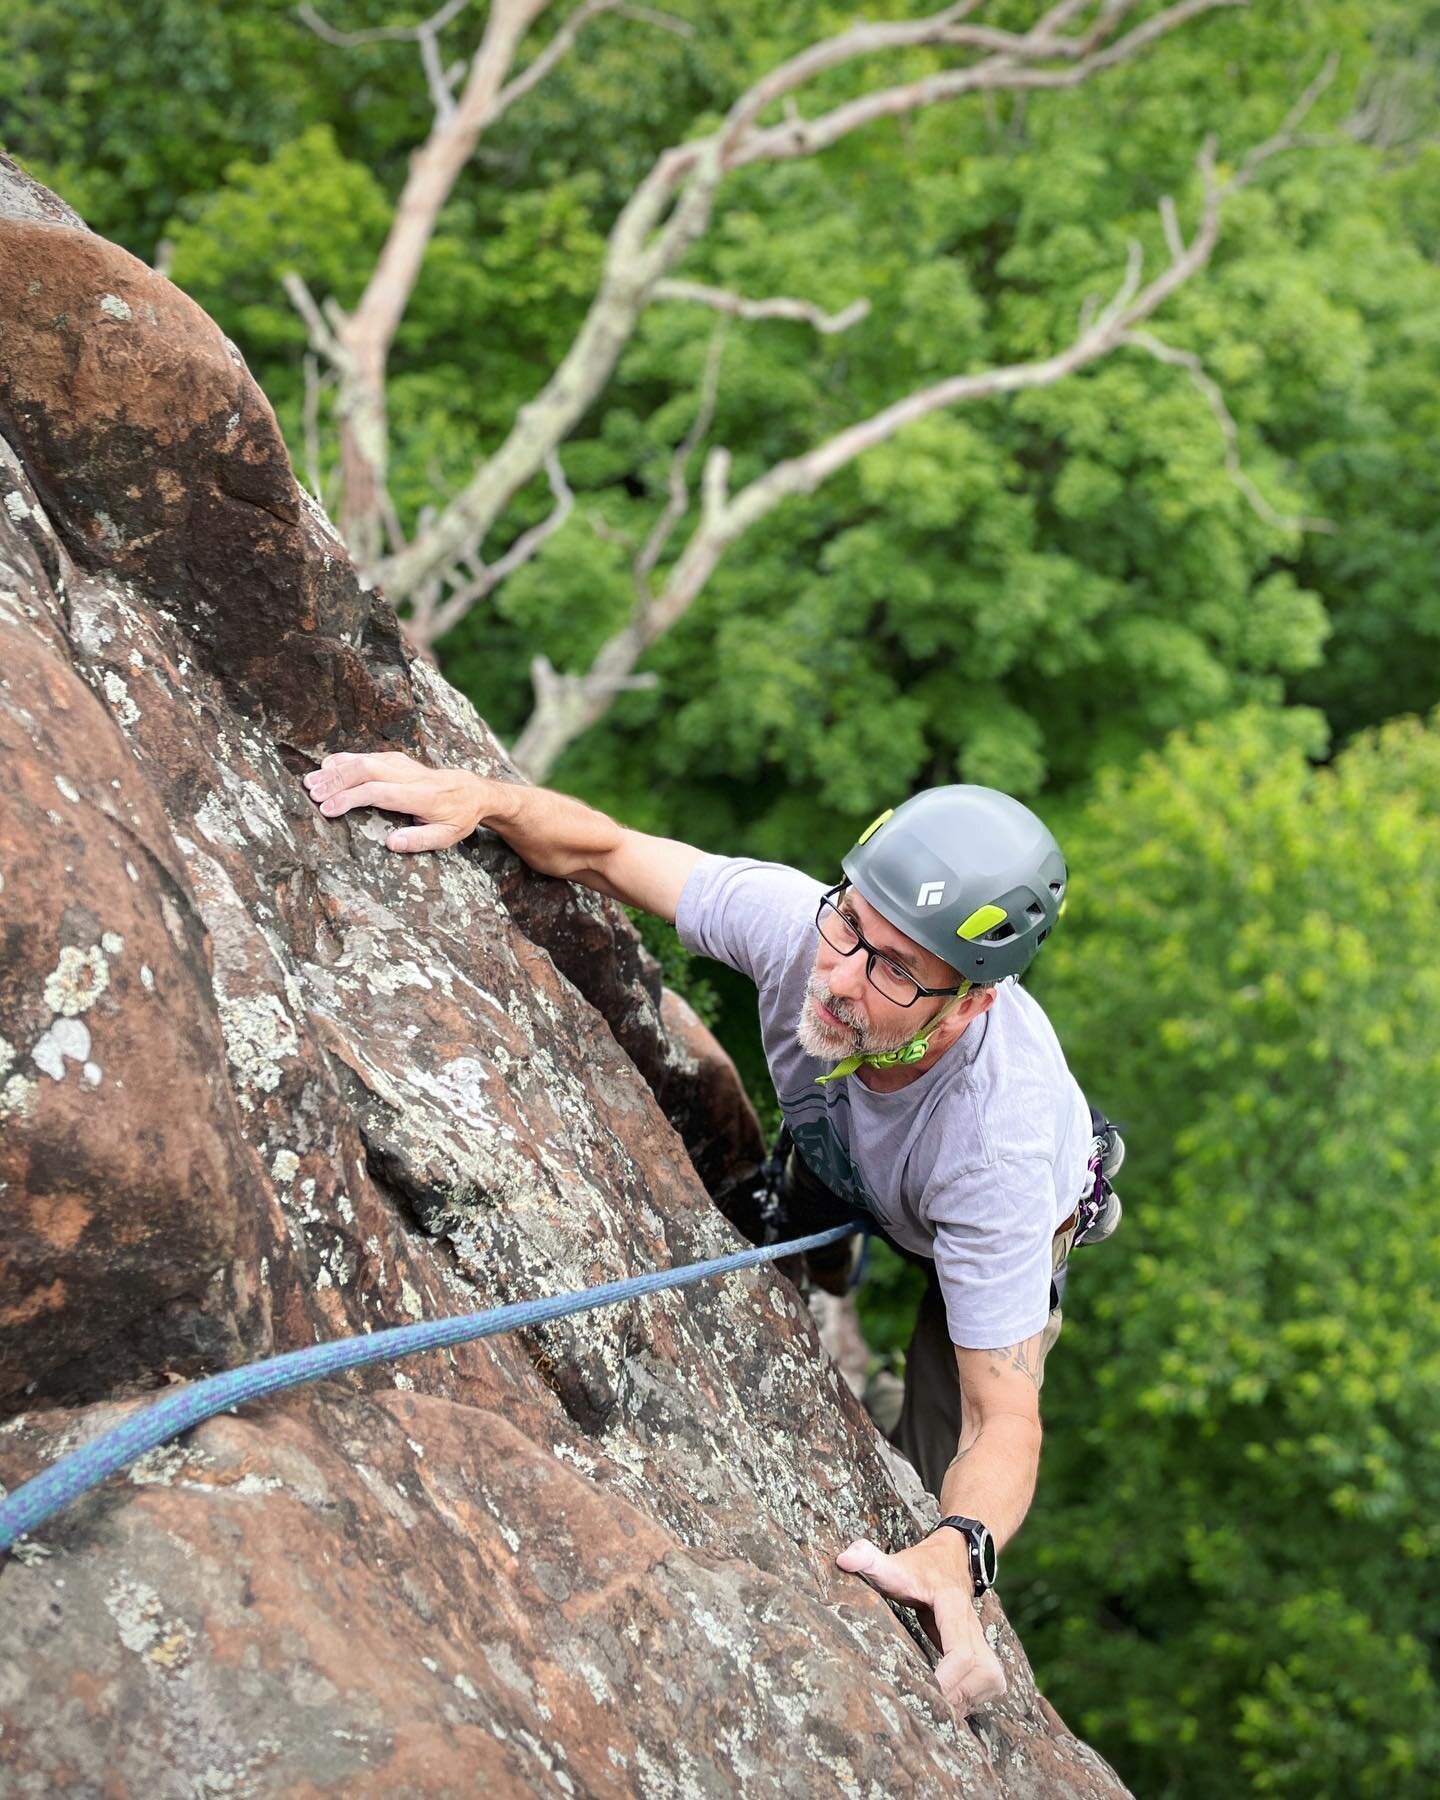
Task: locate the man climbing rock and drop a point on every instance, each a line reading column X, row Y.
column 923, row 1091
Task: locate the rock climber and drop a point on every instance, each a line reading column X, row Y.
column 923, row 1090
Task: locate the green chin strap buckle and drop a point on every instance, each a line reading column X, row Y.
column 891, row 1059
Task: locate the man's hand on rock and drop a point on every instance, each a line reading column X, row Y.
column 931, row 1579
column 445, row 803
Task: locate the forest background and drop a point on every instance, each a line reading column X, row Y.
column 1204, row 640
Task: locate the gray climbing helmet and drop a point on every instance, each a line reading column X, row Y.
column 966, row 871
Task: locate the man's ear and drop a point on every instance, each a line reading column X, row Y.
column 979, row 1000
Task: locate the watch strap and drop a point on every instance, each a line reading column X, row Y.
column 978, row 1542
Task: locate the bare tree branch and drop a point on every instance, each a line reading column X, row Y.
column 782, row 142
column 484, row 578
column 679, row 496
column 672, row 207
column 568, row 706
column 380, row 34
column 365, row 337
column 314, row 383
column 426, row 35
column 322, row 339
column 1215, row 399
column 738, row 307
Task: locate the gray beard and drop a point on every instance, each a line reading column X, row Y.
column 829, row 1043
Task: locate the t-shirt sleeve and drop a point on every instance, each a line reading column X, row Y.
column 747, row 914
column 993, row 1232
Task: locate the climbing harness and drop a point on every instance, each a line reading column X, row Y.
column 45, row 1494
column 1098, row 1213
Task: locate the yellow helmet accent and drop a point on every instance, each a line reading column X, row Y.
column 870, row 830
column 980, row 921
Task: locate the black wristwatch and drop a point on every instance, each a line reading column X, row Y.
column 984, row 1558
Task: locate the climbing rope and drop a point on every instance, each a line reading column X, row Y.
column 45, row 1494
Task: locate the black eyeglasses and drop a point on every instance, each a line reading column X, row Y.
column 884, row 974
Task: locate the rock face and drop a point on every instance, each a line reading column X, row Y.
column 262, row 1083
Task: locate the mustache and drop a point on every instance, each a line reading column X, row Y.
column 818, row 990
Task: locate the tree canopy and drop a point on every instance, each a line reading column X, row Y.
column 1233, row 1556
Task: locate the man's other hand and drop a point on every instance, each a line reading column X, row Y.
column 930, row 1578
column 445, row 803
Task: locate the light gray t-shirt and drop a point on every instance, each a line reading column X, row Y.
column 974, row 1164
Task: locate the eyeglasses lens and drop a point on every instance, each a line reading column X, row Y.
column 884, row 976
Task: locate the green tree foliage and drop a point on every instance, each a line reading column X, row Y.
column 1231, row 1576
column 1017, row 592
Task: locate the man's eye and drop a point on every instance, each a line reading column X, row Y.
column 895, row 971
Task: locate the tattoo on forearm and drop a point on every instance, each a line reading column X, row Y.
column 1024, row 1357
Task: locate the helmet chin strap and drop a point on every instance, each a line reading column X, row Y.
column 891, row 1059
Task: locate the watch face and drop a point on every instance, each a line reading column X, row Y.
column 989, row 1557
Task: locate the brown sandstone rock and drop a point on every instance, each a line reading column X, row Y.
column 263, row 1082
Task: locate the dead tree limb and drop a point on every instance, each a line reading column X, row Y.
column 567, row 706
column 737, row 306
column 364, row 337
column 673, row 205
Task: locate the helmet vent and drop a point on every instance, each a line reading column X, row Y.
column 999, row 934
column 1035, row 910
column 1057, row 887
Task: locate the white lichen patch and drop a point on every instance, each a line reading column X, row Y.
column 7, row 1057
column 389, row 978
column 26, row 1550
column 600, row 1689
column 251, row 1483
column 285, row 1166
column 112, row 943
column 165, row 1464
column 458, row 1085
column 568, row 1454
column 147, row 978
column 259, row 1036
column 17, row 507
column 410, row 1300
column 114, row 307
column 68, row 789
column 395, row 1504
column 139, row 1614
column 507, row 1533
column 92, row 1074
column 17, row 1097
column 116, row 692
column 77, row 981
column 132, row 871
column 214, row 824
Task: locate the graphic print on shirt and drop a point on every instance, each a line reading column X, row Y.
column 823, row 1150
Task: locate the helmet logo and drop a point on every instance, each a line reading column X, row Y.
column 931, row 893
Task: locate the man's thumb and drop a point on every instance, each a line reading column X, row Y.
column 881, row 1571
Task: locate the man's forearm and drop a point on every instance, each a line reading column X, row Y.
column 551, row 832
column 992, row 1477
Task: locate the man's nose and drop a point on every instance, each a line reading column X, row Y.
column 847, row 977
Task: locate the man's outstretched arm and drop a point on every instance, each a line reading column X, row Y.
column 553, row 833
